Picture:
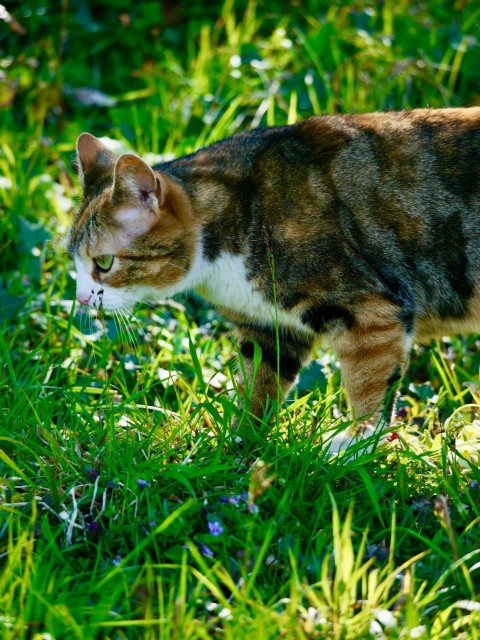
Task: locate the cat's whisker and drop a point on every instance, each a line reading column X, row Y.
column 130, row 334
column 132, row 338
column 172, row 264
column 58, row 238
column 123, row 332
column 78, row 314
column 150, row 305
column 136, row 336
column 146, row 342
column 118, row 338
column 83, row 320
column 86, row 323
column 91, row 330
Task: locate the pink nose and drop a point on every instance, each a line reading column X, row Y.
column 83, row 298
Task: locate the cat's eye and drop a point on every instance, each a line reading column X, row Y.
column 104, row 263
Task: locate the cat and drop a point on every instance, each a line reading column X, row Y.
column 361, row 228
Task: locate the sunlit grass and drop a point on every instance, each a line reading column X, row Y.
column 128, row 506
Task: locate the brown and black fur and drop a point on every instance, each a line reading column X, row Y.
column 370, row 223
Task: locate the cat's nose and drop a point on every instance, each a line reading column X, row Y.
column 83, row 298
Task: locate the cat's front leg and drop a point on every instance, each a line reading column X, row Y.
column 373, row 355
column 283, row 353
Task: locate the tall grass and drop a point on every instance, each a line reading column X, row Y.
column 128, row 508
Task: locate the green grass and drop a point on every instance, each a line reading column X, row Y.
column 128, row 509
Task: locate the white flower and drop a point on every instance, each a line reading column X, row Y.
column 235, row 61
column 5, row 183
column 376, row 630
column 385, row 617
column 225, row 614
column 466, row 451
column 418, row 632
column 469, row 605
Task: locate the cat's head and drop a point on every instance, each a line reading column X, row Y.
column 134, row 235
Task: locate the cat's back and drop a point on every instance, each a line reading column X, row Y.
column 402, row 125
column 388, row 139
column 351, row 141
column 424, row 162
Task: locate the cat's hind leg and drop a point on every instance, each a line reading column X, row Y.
column 373, row 355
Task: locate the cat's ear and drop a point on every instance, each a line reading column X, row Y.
column 95, row 162
column 135, row 179
column 137, row 194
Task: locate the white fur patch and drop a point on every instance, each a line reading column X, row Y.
column 224, row 282
column 137, row 220
column 86, row 286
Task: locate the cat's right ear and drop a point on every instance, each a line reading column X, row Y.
column 95, row 162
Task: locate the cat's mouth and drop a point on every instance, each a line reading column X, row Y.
column 97, row 302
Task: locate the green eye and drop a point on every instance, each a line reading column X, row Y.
column 104, row 263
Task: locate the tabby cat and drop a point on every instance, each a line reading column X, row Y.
column 363, row 229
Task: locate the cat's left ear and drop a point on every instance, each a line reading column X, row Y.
column 95, row 163
column 133, row 178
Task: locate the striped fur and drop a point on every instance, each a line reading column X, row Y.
column 363, row 229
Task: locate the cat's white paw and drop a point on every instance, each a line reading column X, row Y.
column 357, row 439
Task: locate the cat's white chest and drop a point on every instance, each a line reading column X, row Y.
column 225, row 284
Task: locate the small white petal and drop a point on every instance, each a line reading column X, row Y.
column 385, row 617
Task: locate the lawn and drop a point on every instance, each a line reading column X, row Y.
column 128, row 506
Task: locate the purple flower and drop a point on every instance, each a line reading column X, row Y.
column 95, row 530
column 252, row 507
column 206, row 551
column 245, row 497
column 142, row 483
column 215, row 528
column 116, row 561
column 248, row 498
column 230, row 500
column 91, row 472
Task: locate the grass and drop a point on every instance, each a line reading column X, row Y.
column 127, row 507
